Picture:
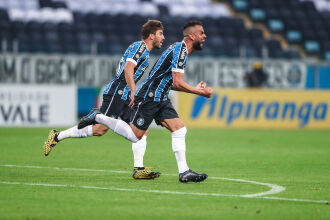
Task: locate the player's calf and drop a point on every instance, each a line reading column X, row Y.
column 99, row 130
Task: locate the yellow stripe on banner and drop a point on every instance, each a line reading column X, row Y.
column 256, row 108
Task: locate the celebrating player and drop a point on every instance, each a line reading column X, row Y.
column 116, row 96
column 151, row 102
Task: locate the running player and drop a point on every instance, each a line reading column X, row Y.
column 116, row 96
column 151, row 100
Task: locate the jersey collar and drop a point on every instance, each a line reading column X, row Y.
column 146, row 46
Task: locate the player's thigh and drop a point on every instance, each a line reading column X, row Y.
column 99, row 129
column 172, row 124
column 168, row 117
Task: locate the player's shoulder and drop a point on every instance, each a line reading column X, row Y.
column 140, row 45
column 174, row 45
column 137, row 47
column 172, row 48
column 179, row 46
column 180, row 49
column 135, row 43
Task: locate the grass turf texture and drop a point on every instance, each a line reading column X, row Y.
column 297, row 160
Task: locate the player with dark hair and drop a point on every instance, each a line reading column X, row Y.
column 116, row 96
column 151, row 101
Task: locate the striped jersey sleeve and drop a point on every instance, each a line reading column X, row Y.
column 180, row 55
column 136, row 52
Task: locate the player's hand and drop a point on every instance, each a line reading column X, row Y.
column 208, row 92
column 201, row 85
column 131, row 104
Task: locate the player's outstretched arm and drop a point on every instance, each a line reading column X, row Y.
column 180, row 85
column 129, row 77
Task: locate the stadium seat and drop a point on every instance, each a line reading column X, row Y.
column 74, row 26
column 294, row 36
column 299, row 21
column 312, row 47
column 240, row 5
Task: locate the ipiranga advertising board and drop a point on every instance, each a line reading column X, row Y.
column 32, row 105
column 256, row 108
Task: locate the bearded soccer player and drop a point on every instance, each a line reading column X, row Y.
column 151, row 99
column 116, row 97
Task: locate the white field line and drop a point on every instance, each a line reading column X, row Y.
column 296, row 200
column 159, row 191
column 118, row 189
column 274, row 188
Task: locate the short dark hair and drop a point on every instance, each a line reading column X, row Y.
column 150, row 28
column 191, row 24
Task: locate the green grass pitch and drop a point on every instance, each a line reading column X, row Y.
column 297, row 160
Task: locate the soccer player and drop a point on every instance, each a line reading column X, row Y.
column 116, row 96
column 151, row 101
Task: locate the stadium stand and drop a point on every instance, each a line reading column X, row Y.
column 304, row 23
column 108, row 26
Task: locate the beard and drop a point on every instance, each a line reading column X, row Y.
column 157, row 44
column 197, row 46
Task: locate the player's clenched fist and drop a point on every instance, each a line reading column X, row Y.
column 208, row 92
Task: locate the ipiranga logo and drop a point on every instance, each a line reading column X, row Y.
column 231, row 111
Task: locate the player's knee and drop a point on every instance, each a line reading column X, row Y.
column 137, row 133
column 139, row 136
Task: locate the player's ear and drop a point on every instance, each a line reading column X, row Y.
column 152, row 36
column 192, row 36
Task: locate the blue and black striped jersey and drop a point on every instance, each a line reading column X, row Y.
column 159, row 82
column 136, row 53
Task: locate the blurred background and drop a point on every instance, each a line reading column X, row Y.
column 57, row 55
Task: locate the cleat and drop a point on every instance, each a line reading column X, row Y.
column 191, row 176
column 145, row 173
column 51, row 142
column 88, row 119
